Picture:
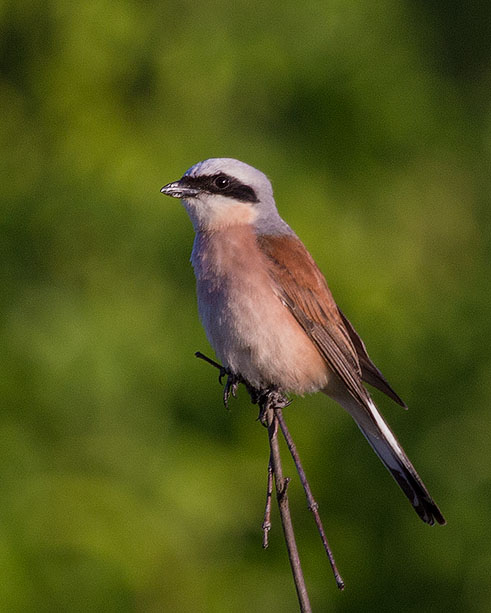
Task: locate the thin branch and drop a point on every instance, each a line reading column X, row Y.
column 267, row 510
column 312, row 504
column 271, row 402
column 202, row 356
column 282, row 498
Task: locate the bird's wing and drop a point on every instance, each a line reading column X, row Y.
column 304, row 290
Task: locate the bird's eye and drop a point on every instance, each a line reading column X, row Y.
column 222, row 182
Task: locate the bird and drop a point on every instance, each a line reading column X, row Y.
column 268, row 312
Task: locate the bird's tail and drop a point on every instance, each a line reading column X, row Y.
column 390, row 451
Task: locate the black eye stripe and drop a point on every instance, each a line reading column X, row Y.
column 234, row 189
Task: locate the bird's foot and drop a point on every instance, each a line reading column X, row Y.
column 232, row 382
column 269, row 399
column 231, row 385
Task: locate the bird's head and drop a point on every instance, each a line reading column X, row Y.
column 221, row 192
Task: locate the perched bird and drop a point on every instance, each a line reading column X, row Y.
column 269, row 314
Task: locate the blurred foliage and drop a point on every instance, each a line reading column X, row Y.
column 125, row 486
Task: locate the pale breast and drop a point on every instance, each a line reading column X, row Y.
column 250, row 329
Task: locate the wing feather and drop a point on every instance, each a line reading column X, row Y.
column 304, row 290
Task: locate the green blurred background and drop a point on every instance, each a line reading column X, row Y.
column 125, row 485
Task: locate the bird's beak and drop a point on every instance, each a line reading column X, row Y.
column 178, row 190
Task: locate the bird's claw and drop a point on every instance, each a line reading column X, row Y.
column 231, row 386
column 268, row 399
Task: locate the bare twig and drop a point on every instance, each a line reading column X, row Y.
column 312, row 504
column 267, row 510
column 202, row 356
column 271, row 402
column 282, row 498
